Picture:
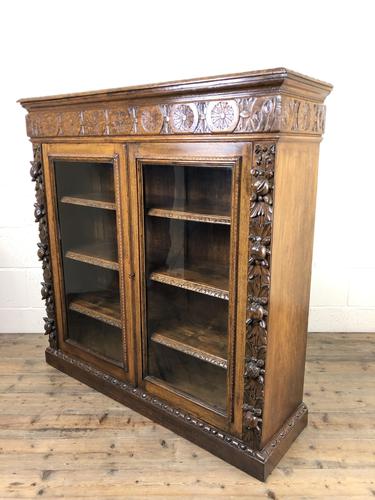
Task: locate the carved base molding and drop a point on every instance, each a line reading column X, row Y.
column 257, row 463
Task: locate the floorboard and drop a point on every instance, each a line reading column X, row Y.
column 61, row 439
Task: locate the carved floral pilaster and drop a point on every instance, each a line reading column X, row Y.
column 260, row 232
column 36, row 173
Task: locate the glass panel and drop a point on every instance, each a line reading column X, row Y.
column 187, row 255
column 87, row 224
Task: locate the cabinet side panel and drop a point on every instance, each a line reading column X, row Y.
column 292, row 243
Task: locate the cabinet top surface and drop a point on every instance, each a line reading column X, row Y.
column 276, row 79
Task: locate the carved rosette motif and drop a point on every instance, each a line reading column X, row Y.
column 151, row 119
column 260, row 232
column 120, row 121
column 184, row 118
column 222, row 116
column 94, row 122
column 43, row 124
column 241, row 115
column 69, row 123
column 36, row 173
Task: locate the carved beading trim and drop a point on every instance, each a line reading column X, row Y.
column 260, row 232
column 196, row 423
column 181, row 215
column 139, row 393
column 36, row 173
column 73, row 306
column 190, row 350
column 190, row 285
column 241, row 115
column 283, row 432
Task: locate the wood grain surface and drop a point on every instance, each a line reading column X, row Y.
column 103, row 306
column 96, row 200
column 59, row 438
column 98, row 254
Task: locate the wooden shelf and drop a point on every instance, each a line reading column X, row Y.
column 96, row 200
column 195, row 340
column 103, row 306
column 201, row 279
column 193, row 213
column 98, row 254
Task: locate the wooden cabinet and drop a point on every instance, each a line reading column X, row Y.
column 176, row 227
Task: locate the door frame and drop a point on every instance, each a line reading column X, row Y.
column 238, row 154
column 95, row 152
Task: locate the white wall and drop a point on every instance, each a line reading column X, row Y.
column 56, row 47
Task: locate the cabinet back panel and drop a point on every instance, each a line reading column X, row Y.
column 175, row 243
column 170, row 186
column 75, row 178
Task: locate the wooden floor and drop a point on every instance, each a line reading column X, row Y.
column 60, row 439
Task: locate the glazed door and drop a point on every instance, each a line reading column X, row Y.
column 188, row 223
column 87, row 216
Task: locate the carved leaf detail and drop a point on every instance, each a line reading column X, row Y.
column 202, row 127
column 259, row 114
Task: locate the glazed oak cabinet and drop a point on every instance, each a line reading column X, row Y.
column 176, row 227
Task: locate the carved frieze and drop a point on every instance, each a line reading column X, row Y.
column 240, row 115
column 36, row 173
column 260, row 231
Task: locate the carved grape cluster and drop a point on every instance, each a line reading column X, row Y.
column 252, row 417
column 254, row 369
column 36, row 173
